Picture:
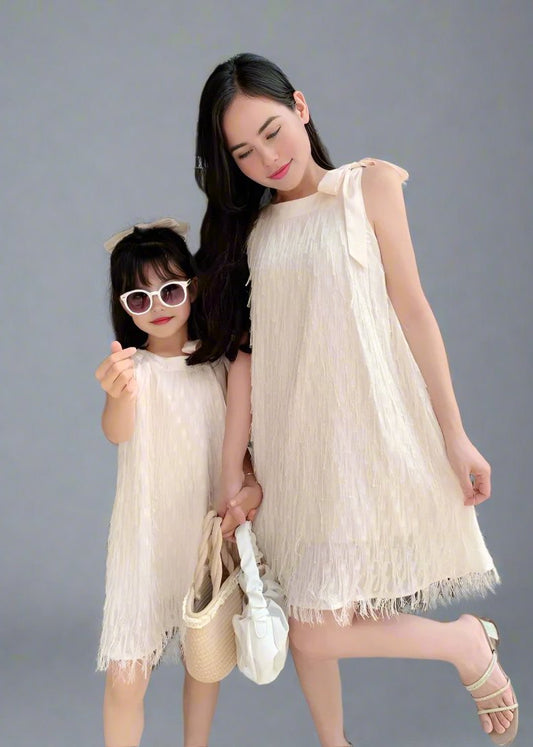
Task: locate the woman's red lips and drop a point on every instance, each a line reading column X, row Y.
column 162, row 320
column 281, row 172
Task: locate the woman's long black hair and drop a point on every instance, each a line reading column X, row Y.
column 160, row 248
column 233, row 201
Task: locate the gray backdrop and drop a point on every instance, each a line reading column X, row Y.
column 98, row 115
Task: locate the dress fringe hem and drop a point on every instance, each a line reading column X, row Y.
column 442, row 592
column 127, row 668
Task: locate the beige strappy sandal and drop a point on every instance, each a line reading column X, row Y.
column 493, row 639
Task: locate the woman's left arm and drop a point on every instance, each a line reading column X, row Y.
column 385, row 207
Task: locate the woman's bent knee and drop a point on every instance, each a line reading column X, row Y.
column 307, row 640
column 317, row 641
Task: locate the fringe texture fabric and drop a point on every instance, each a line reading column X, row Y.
column 362, row 510
column 166, row 474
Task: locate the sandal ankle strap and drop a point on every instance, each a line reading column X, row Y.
column 484, row 677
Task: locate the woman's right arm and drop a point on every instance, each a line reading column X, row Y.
column 117, row 378
column 237, row 430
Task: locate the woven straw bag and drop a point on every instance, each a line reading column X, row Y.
column 214, row 597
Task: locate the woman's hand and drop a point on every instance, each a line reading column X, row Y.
column 242, row 507
column 116, row 372
column 230, row 487
column 472, row 470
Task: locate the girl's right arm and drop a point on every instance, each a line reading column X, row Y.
column 117, row 379
column 237, row 431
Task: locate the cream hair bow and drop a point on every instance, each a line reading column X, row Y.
column 178, row 226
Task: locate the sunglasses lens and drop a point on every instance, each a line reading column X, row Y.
column 173, row 294
column 138, row 302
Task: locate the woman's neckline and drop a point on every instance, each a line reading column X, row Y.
column 296, row 201
column 299, row 200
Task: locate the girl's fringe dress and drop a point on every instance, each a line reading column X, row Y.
column 166, row 474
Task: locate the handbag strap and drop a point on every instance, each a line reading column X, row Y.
column 213, row 554
column 252, row 582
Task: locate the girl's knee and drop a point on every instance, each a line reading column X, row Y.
column 125, row 688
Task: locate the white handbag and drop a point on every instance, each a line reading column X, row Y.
column 262, row 630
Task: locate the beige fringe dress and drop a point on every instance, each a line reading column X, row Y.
column 361, row 510
column 166, row 474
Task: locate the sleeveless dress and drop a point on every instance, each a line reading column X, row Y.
column 167, row 474
column 361, row 510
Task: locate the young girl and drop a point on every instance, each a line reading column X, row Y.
column 168, row 419
column 370, row 481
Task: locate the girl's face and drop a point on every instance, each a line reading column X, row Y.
column 164, row 322
column 268, row 140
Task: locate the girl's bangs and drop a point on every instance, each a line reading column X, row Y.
column 149, row 256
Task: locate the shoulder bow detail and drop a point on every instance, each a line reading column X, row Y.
column 339, row 180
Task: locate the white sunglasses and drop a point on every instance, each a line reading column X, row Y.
column 172, row 294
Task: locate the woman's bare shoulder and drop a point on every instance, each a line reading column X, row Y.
column 381, row 183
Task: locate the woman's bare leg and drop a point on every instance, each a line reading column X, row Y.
column 199, row 704
column 124, row 707
column 321, row 684
column 461, row 643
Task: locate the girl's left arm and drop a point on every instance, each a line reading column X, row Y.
column 385, row 207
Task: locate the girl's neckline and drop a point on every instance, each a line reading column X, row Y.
column 172, row 361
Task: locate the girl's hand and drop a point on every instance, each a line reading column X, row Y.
column 243, row 507
column 116, row 373
column 471, row 468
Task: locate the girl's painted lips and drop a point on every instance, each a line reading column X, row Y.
column 282, row 172
column 162, row 320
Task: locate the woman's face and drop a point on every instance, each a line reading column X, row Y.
column 268, row 141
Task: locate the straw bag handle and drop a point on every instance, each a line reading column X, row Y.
column 212, row 554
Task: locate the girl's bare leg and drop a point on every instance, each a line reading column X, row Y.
column 199, row 703
column 124, row 707
column 321, row 684
column 461, row 643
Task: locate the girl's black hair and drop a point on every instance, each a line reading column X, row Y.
column 233, row 201
column 160, row 248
